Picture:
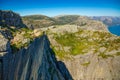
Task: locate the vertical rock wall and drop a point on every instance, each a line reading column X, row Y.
column 38, row 62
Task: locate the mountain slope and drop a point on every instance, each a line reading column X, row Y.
column 37, row 17
column 38, row 21
column 41, row 21
column 65, row 19
column 69, row 19
column 108, row 20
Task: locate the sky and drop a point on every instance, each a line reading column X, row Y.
column 62, row 7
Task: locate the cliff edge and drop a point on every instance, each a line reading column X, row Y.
column 37, row 62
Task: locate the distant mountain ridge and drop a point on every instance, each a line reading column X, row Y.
column 13, row 19
column 38, row 21
column 66, row 19
column 37, row 17
column 108, row 20
column 45, row 21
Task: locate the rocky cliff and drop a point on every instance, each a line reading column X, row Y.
column 88, row 55
column 87, row 50
column 9, row 18
column 5, row 51
column 4, row 44
column 37, row 62
column 91, row 67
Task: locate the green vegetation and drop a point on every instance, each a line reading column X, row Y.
column 69, row 39
column 38, row 21
column 60, row 53
column 45, row 21
column 19, row 38
column 37, row 17
column 66, row 19
column 103, row 55
column 86, row 64
column 3, row 21
column 14, row 48
column 84, row 41
column 118, row 54
column 24, row 39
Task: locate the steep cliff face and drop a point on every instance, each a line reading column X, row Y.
column 38, row 62
column 9, row 18
column 92, row 67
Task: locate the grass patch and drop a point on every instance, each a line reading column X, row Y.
column 18, row 44
column 77, row 44
column 118, row 54
column 103, row 55
column 59, row 53
column 14, row 48
column 83, row 41
column 86, row 64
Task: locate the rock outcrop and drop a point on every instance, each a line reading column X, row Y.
column 5, row 51
column 9, row 18
column 37, row 62
column 4, row 44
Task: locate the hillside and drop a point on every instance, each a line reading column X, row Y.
column 58, row 20
column 80, row 20
column 38, row 21
column 65, row 19
column 108, row 20
column 36, row 17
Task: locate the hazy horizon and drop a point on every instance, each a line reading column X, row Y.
column 65, row 15
column 69, row 7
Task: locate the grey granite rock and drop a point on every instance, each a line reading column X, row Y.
column 37, row 62
column 4, row 45
column 9, row 18
column 5, row 51
column 93, row 67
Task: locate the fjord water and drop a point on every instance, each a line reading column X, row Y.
column 115, row 29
